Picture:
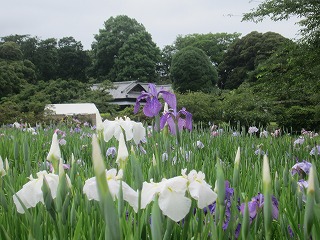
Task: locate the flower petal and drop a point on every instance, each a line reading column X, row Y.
column 54, row 152
column 203, row 193
column 174, row 204
column 109, row 129
column 169, row 98
column 31, row 193
column 152, row 107
column 122, row 150
column 90, row 189
column 148, row 192
column 139, row 132
column 153, row 89
column 130, row 196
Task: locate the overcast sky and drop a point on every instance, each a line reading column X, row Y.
column 163, row 19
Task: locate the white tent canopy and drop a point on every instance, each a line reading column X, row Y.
column 89, row 111
column 72, row 108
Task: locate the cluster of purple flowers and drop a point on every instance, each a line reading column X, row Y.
column 298, row 141
column 309, row 133
column 111, row 151
column 182, row 119
column 302, row 169
column 253, row 130
column 257, row 203
column 315, row 150
column 276, row 133
column 254, row 206
column 62, row 135
column 227, row 201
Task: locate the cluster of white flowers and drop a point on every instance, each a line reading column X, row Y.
column 171, row 192
column 91, row 190
column 131, row 129
column 31, row 193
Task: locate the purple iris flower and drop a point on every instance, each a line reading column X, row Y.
column 153, row 105
column 183, row 118
column 238, row 229
column 290, row 231
column 50, row 166
column 298, row 141
column 62, row 141
column 301, row 168
column 259, row 151
column 111, row 151
column 253, row 129
column 227, row 200
column 315, row 150
column 257, row 203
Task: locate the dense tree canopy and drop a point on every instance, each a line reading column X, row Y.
column 14, row 72
column 247, row 108
column 46, row 59
column 52, row 58
column 137, row 59
column 107, row 49
column 204, row 106
column 290, row 78
column 213, row 44
column 72, row 59
column 10, row 51
column 307, row 10
column 245, row 54
column 191, row 70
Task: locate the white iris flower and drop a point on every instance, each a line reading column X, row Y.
column 91, row 190
column 172, row 199
column 54, row 152
column 132, row 130
column 31, row 192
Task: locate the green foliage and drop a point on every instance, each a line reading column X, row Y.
column 46, row 59
column 128, row 111
column 10, row 51
column 33, row 98
column 204, row 107
column 28, row 45
column 50, row 59
column 243, row 106
column 290, row 80
column 81, row 218
column 298, row 117
column 101, row 98
column 14, row 75
column 191, row 70
column 244, row 55
column 277, row 10
column 72, row 60
column 110, row 39
column 213, row 44
column 137, row 59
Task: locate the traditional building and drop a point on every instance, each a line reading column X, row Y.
column 125, row 93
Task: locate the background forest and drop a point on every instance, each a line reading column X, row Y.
column 259, row 78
